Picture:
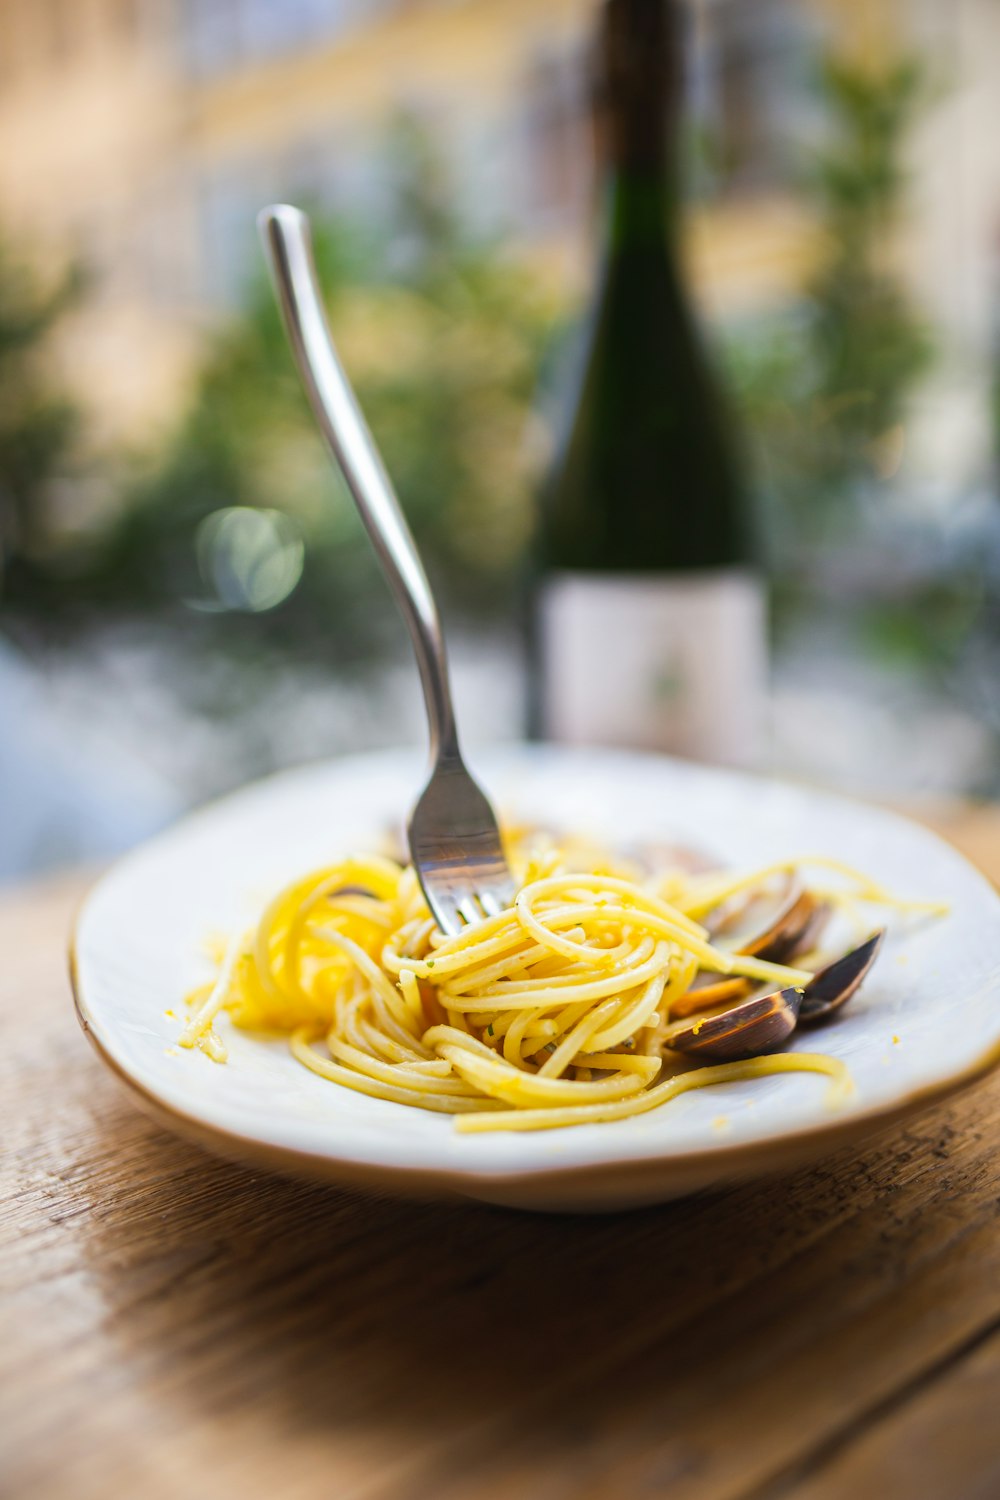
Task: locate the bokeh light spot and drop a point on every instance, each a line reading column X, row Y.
column 249, row 559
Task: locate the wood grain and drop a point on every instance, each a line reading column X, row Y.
column 173, row 1325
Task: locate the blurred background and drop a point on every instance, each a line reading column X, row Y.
column 186, row 596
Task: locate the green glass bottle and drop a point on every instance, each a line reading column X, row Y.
column 650, row 629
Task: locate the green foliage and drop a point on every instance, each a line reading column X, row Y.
column 825, row 393
column 38, row 425
column 870, row 346
column 442, row 339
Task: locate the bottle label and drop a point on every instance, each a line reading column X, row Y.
column 671, row 662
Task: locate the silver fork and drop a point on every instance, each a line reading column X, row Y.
column 454, row 840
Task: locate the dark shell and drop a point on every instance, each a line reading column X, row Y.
column 748, row 1030
column 795, row 928
column 763, row 1023
column 833, row 986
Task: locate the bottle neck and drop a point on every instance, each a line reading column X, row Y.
column 637, row 109
column 641, row 209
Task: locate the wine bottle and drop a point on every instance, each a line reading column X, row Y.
column 650, row 625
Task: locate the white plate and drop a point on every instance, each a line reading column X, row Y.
column 926, row 1022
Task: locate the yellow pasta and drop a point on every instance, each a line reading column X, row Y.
column 553, row 1013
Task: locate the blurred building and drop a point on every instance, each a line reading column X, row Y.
column 143, row 135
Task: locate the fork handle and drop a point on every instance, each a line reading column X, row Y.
column 288, row 247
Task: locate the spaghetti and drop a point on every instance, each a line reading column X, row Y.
column 555, row 1012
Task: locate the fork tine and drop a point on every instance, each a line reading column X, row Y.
column 457, row 851
column 490, row 903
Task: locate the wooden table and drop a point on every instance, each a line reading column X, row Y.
column 174, row 1326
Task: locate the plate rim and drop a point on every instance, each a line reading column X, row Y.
column 716, row 1162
